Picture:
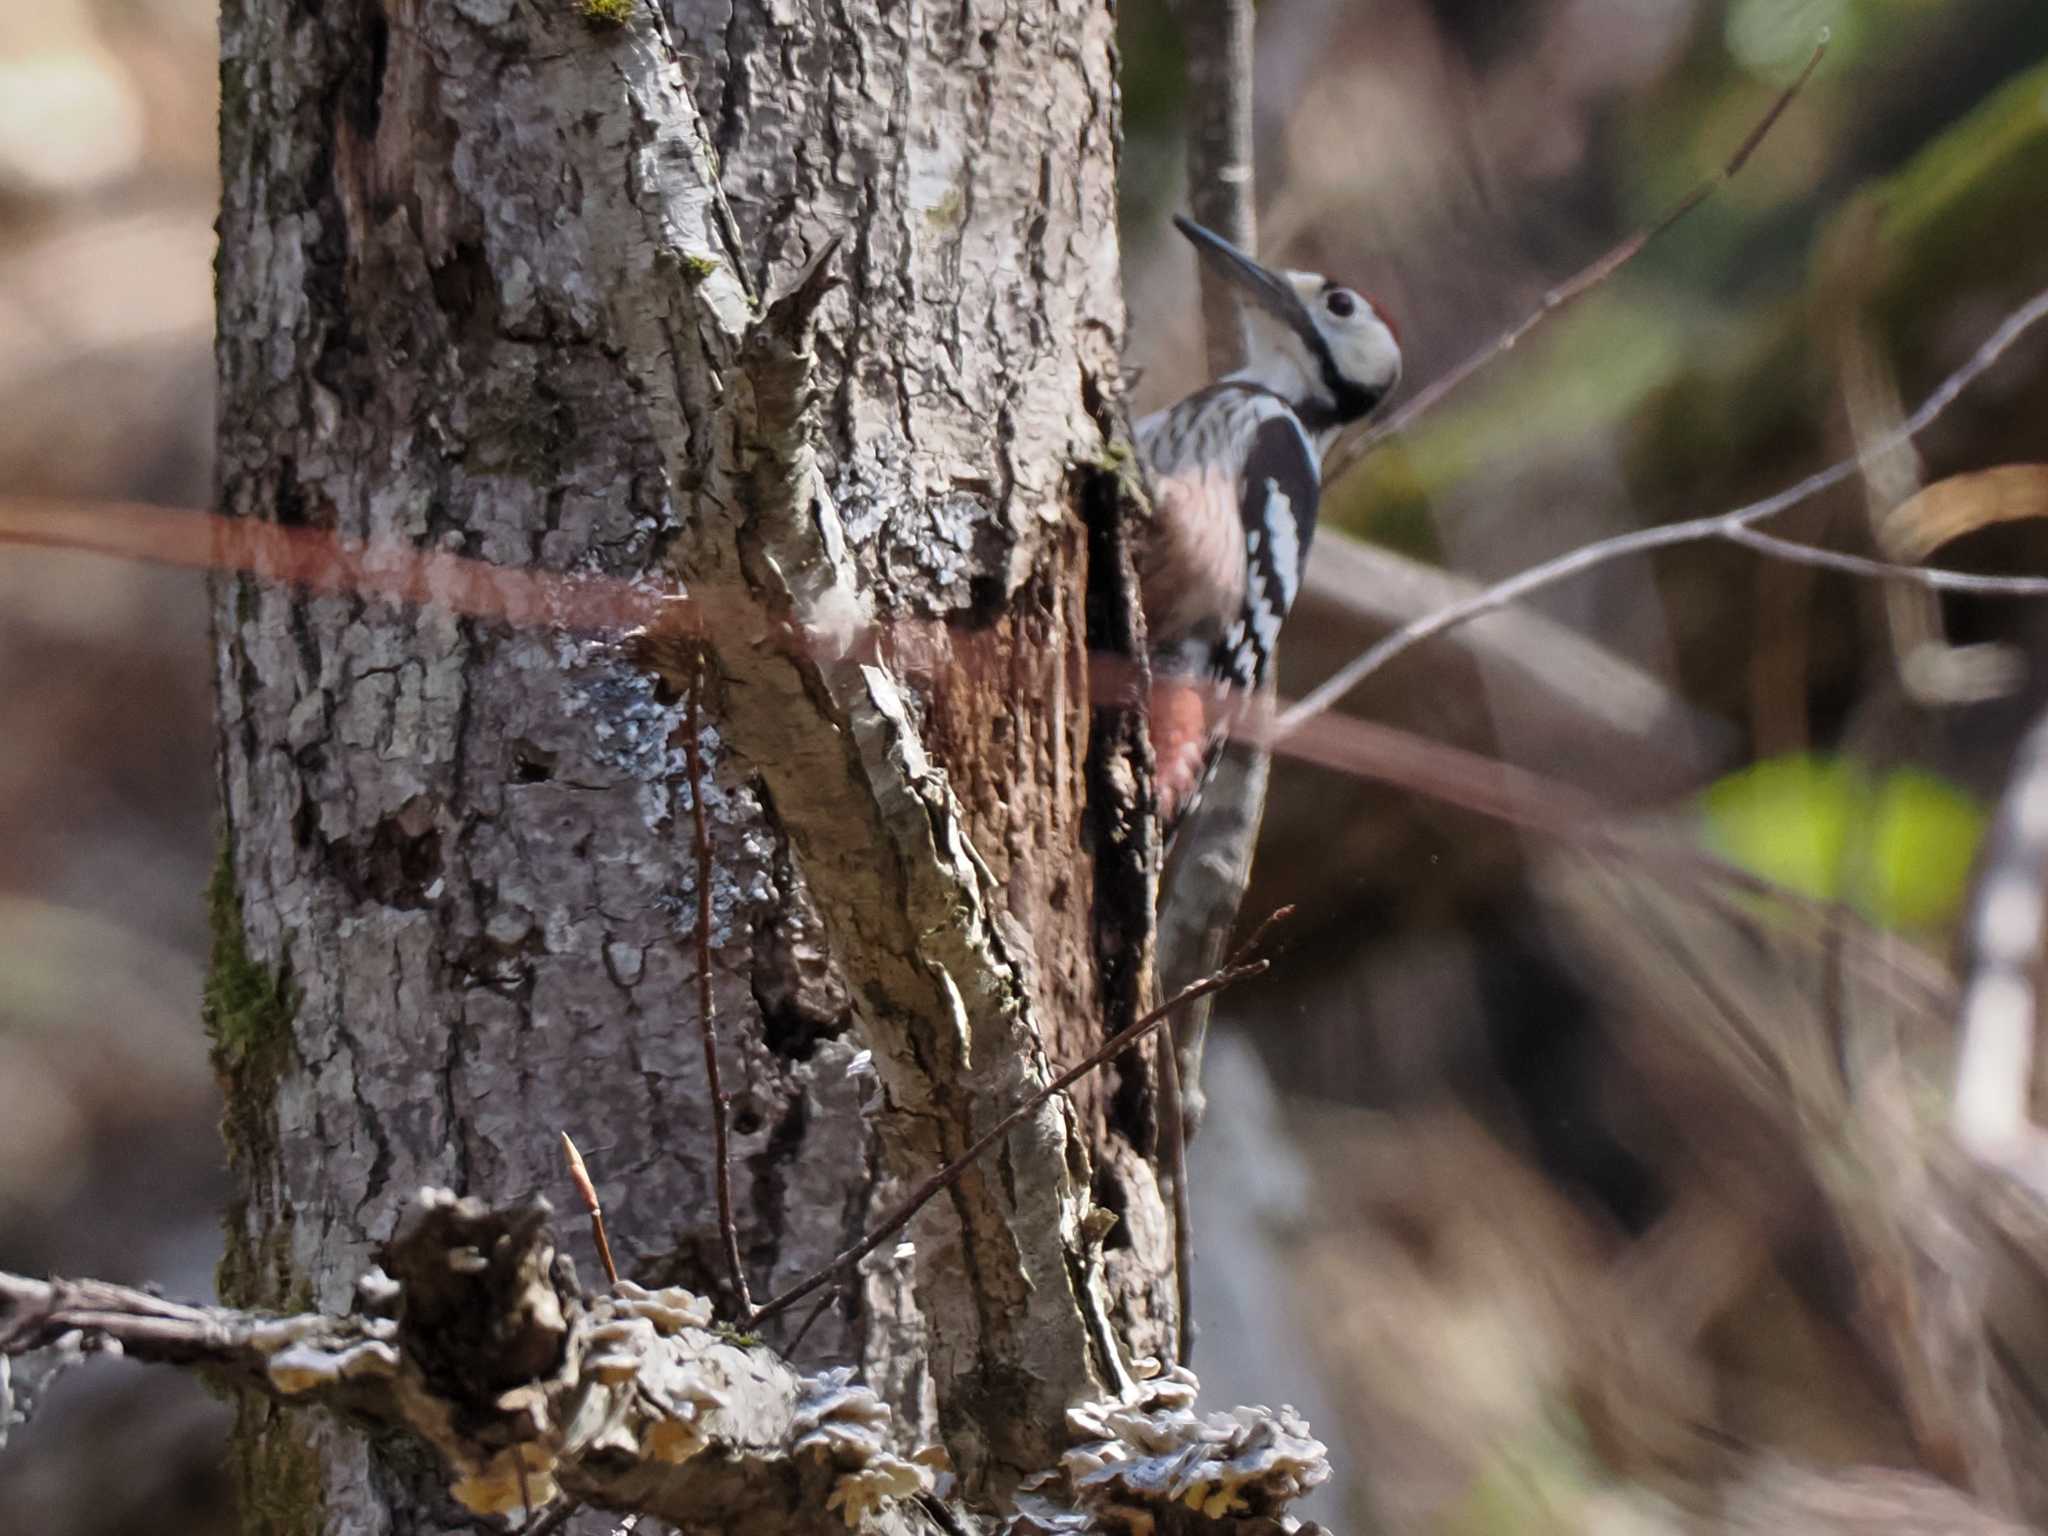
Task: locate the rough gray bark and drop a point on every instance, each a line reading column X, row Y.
column 488, row 283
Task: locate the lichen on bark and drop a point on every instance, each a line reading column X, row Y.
column 486, row 276
column 247, row 1010
column 276, row 1470
column 246, row 1007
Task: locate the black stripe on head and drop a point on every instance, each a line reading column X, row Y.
column 1349, row 401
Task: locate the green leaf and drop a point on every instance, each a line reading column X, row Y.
column 1898, row 849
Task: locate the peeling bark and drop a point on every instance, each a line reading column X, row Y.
column 490, row 282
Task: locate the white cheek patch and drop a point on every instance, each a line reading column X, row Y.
column 1368, row 354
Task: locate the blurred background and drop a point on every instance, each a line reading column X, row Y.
column 1549, row 1242
column 109, row 1158
column 1532, row 1260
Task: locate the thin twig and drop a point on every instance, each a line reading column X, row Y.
column 789, row 1350
column 519, row 1476
column 721, row 1149
column 553, row 1520
column 579, row 1175
column 1834, row 1003
column 1932, row 578
column 1239, row 969
column 1736, row 527
column 941, row 1513
column 1173, row 1117
column 1349, row 451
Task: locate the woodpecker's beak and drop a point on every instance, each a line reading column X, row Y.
column 1264, row 287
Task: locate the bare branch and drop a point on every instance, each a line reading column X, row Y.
column 1214, row 845
column 1350, row 451
column 1206, row 878
column 1928, row 578
column 1240, row 967
column 35, row 1313
column 1174, row 1126
column 1736, row 527
column 1217, row 38
column 553, row 1520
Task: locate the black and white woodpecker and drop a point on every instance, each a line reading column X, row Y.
column 1236, row 474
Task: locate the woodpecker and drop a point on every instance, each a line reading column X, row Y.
column 1236, row 473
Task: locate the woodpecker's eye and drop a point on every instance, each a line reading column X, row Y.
column 1342, row 303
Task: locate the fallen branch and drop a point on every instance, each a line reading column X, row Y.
column 480, row 1344
column 473, row 1336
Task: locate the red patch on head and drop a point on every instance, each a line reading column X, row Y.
column 1386, row 316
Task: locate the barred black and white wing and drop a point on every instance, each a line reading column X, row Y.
column 1237, row 482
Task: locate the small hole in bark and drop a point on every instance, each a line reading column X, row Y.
column 291, row 500
column 746, row 1120
column 391, row 863
column 531, row 765
column 467, row 291
column 987, row 599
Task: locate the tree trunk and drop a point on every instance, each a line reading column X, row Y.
column 491, row 283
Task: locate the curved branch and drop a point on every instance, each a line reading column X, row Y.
column 1736, row 527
